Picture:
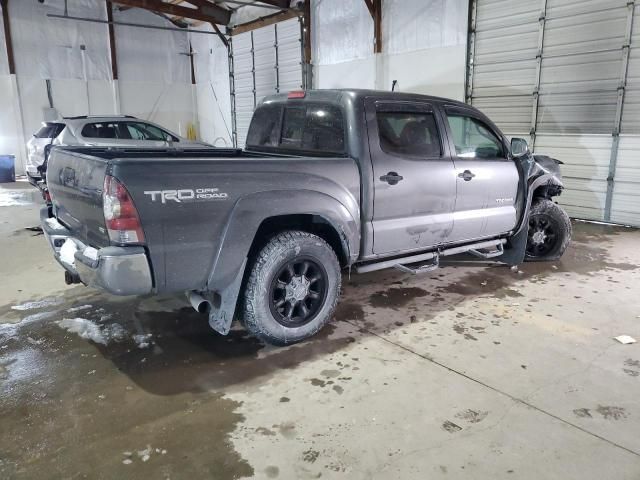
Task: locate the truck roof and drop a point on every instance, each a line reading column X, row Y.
column 335, row 95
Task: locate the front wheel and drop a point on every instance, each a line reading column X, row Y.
column 293, row 288
column 549, row 231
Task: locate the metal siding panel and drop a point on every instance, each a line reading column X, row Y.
column 631, row 110
column 591, row 112
column 585, row 169
column 625, row 205
column 257, row 70
column 289, row 55
column 264, row 40
column 579, row 78
column 243, row 81
column 512, row 114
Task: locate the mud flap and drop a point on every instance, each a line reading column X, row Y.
column 516, row 247
column 221, row 317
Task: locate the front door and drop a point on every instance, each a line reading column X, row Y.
column 487, row 180
column 413, row 176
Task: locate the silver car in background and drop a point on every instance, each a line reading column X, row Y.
column 38, row 147
column 100, row 131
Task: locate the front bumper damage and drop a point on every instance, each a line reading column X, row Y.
column 117, row 270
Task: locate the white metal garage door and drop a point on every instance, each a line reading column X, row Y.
column 554, row 71
column 265, row 61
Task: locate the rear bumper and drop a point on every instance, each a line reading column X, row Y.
column 117, row 270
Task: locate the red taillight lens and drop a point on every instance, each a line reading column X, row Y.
column 296, row 94
column 120, row 214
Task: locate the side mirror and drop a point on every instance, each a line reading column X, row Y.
column 519, row 147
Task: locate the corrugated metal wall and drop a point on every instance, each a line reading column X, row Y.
column 265, row 61
column 554, row 72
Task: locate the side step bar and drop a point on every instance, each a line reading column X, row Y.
column 497, row 247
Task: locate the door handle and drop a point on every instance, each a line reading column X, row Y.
column 392, row 178
column 467, row 175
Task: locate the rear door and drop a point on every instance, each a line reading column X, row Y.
column 413, row 176
column 486, row 179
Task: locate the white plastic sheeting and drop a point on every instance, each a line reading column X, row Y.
column 47, row 47
column 409, row 25
column 153, row 65
column 341, row 31
column 423, row 46
column 151, row 55
column 211, row 64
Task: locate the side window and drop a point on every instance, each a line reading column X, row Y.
column 409, row 133
column 144, row 131
column 99, row 130
column 265, row 123
column 473, row 139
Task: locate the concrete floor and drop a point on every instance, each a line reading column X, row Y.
column 471, row 372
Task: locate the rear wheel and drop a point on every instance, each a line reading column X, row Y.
column 549, row 231
column 292, row 289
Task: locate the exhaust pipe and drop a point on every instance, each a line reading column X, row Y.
column 199, row 303
column 70, row 278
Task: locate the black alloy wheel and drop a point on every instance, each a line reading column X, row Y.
column 298, row 291
column 543, row 235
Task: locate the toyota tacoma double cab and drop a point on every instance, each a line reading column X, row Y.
column 329, row 180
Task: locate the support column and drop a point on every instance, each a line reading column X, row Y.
column 622, row 85
column 117, row 108
column 21, row 149
column 232, row 92
column 471, row 49
column 307, row 67
column 542, row 19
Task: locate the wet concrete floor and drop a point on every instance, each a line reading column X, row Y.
column 473, row 371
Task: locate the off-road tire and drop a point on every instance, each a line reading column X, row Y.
column 257, row 309
column 558, row 220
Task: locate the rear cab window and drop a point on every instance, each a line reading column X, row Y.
column 305, row 127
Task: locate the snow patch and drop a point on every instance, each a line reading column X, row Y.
column 54, row 224
column 80, row 308
column 142, row 340
column 91, row 253
column 92, row 331
column 46, row 302
column 12, row 328
column 13, row 199
column 67, row 252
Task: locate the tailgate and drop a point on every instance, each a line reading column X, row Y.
column 75, row 182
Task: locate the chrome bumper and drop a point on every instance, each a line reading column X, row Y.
column 118, row 270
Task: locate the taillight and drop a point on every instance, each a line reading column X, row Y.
column 297, row 94
column 120, row 214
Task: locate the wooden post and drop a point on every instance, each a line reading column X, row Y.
column 7, row 35
column 112, row 40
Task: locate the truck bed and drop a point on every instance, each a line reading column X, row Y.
column 185, row 198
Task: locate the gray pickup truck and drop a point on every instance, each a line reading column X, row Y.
column 329, row 179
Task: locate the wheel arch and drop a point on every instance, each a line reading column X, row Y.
column 249, row 226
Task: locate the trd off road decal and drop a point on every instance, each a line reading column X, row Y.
column 186, row 195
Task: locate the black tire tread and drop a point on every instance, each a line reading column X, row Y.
column 544, row 206
column 286, row 240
